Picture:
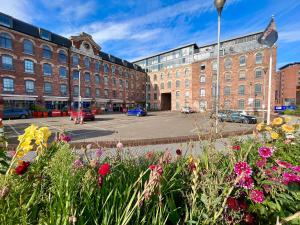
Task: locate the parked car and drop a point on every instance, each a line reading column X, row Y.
column 85, row 113
column 237, row 117
column 187, row 109
column 138, row 111
column 220, row 112
column 15, row 114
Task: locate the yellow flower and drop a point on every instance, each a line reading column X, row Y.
column 277, row 121
column 268, row 128
column 46, row 132
column 20, row 154
column 287, row 129
column 260, row 126
column 30, row 131
column 190, row 159
column 287, row 119
column 274, row 135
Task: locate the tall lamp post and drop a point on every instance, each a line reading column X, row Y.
column 79, row 89
column 219, row 4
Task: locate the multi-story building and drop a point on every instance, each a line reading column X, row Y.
column 186, row 76
column 289, row 84
column 39, row 67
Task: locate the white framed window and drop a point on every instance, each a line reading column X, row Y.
column 202, row 92
column 8, row 84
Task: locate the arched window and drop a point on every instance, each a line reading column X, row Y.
column 227, row 76
column 75, row 90
column 258, row 88
column 187, row 72
column 227, row 90
column 227, row 104
column 202, row 79
column 75, row 74
column 28, row 47
column 28, row 66
column 241, row 104
column 97, row 66
column 63, row 72
column 258, row 58
column 113, row 69
column 162, row 85
column 214, row 65
column 187, row 83
column 155, row 77
column 62, row 57
column 5, row 41
column 177, row 83
column 87, row 62
column 242, row 75
column 75, row 60
column 6, row 62
column 87, row 92
column 177, row 74
column 29, row 86
column 228, row 64
column 8, row 84
column 47, row 53
column 47, row 69
column 48, row 88
column 242, row 60
column 258, row 73
column 63, row 89
column 87, row 77
column 97, row 79
column 162, row 76
column 106, row 68
column 241, row 90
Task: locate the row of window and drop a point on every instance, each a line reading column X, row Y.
column 177, row 74
column 28, row 48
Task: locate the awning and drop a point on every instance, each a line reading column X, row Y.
column 102, row 100
column 82, row 99
column 117, row 100
column 19, row 97
column 56, row 98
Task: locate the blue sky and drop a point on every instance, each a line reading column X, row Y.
column 135, row 28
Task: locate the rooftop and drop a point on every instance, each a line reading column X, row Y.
column 289, row 64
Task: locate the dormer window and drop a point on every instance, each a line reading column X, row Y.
column 46, row 35
column 5, row 20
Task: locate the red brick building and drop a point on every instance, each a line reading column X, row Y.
column 289, row 84
column 39, row 67
column 186, row 76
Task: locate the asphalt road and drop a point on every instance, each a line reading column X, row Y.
column 118, row 127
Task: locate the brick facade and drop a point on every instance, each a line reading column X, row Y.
column 53, row 76
column 289, row 84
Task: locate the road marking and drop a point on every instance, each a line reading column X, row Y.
column 56, row 128
column 13, row 129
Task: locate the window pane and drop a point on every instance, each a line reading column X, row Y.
column 62, row 72
column 258, row 88
column 87, row 92
column 29, row 86
column 63, row 89
column 8, row 84
column 28, row 47
column 76, row 90
column 241, row 104
column 62, row 57
column 47, row 53
column 75, row 60
column 97, row 66
column 227, row 91
column 97, row 79
column 75, row 75
column 242, row 60
column 5, row 20
column 28, row 66
column 87, row 77
column 5, row 41
column 241, row 90
column 258, row 73
column 106, row 68
column 7, row 62
column 47, row 69
column 45, row 35
column 258, row 58
column 48, row 88
column 87, row 63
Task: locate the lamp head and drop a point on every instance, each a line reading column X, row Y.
column 78, row 67
column 219, row 5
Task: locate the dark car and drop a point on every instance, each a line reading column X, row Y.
column 237, row 117
column 15, row 114
column 220, row 113
column 85, row 113
column 138, row 111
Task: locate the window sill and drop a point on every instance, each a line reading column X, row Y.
column 6, row 69
column 29, row 73
column 30, row 54
column 46, row 58
column 9, row 92
column 10, row 49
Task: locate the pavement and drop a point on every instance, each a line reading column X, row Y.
column 120, row 127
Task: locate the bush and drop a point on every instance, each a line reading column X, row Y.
column 254, row 181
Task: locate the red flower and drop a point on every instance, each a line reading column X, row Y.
column 290, row 177
column 248, row 218
column 236, row 147
column 104, row 169
column 243, row 205
column 262, row 162
column 257, row 196
column 246, row 182
column 22, row 168
column 296, row 169
column 232, row 203
column 156, row 168
column 178, row 152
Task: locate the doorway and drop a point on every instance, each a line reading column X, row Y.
column 166, row 101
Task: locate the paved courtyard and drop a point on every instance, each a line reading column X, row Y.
column 115, row 127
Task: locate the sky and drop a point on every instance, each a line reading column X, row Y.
column 131, row 29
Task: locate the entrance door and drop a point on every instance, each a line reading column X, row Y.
column 166, row 101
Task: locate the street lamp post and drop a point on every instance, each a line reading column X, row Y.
column 264, row 95
column 219, row 4
column 79, row 89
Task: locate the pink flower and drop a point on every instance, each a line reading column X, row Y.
column 236, row 147
column 290, row 177
column 100, row 181
column 257, row 196
column 246, row 182
column 78, row 164
column 296, row 169
column 104, row 169
column 64, row 138
column 262, row 162
column 283, row 164
column 242, row 169
column 120, row 145
column 99, row 152
column 274, row 168
column 265, row 152
column 149, row 155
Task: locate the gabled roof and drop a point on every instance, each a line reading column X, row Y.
column 85, row 36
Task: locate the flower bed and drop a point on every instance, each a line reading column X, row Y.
column 255, row 181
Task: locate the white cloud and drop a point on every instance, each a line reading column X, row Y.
column 19, row 9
